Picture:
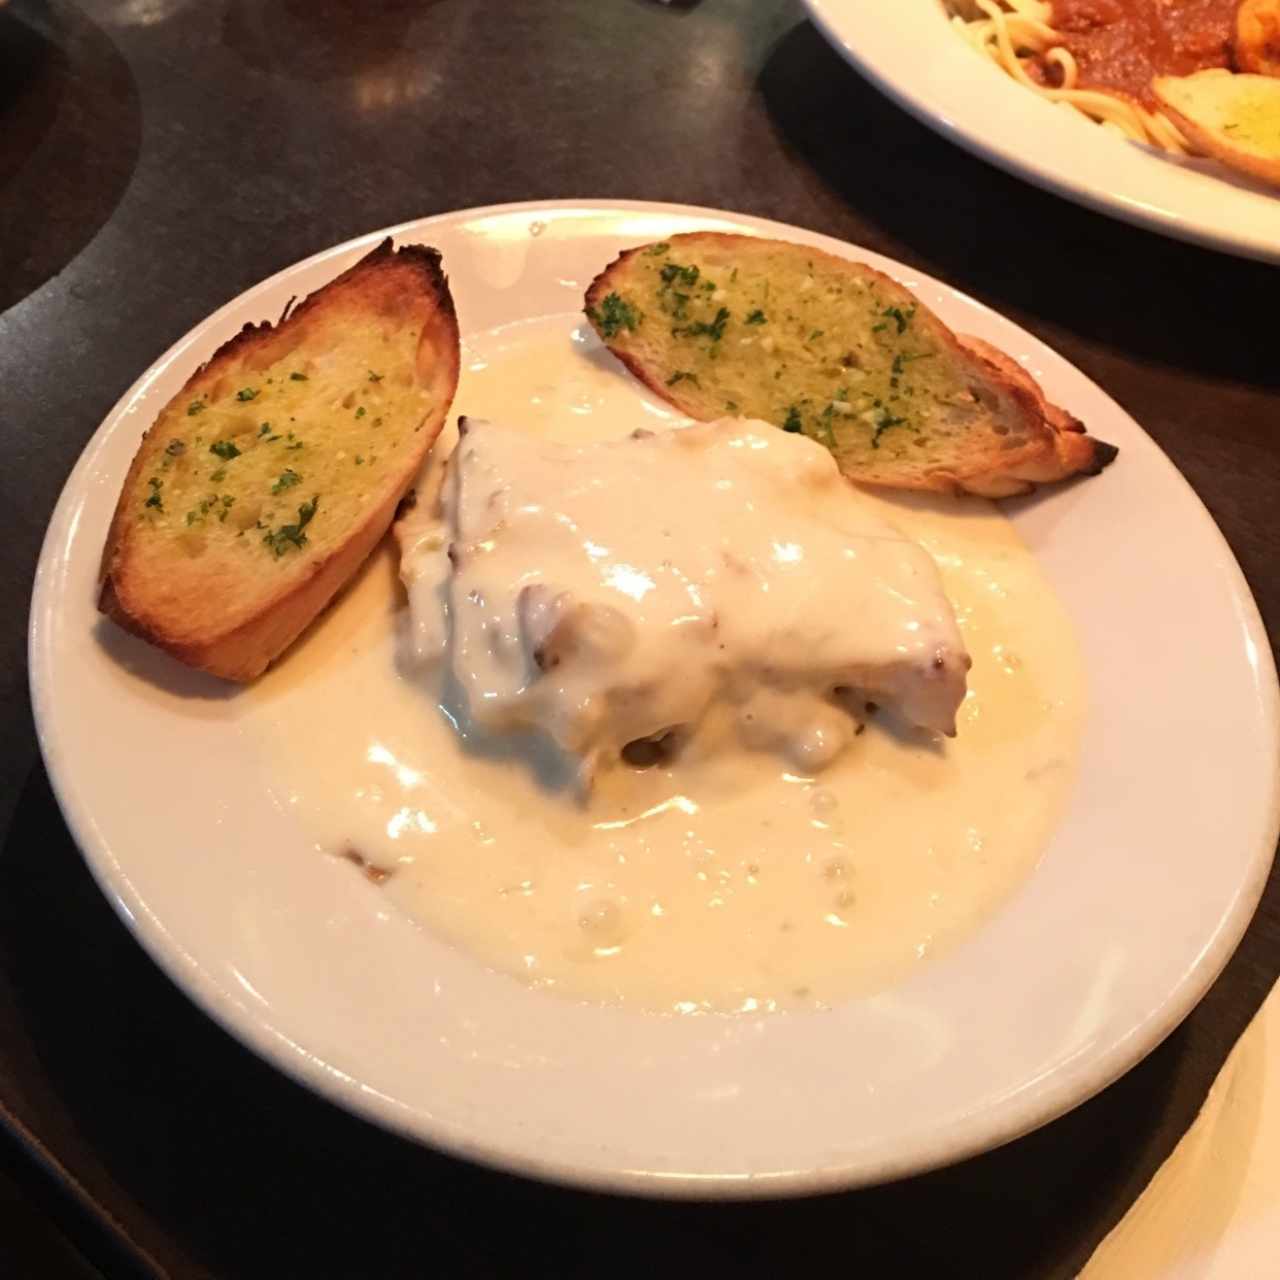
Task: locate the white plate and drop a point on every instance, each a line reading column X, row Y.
column 908, row 49
column 1137, row 904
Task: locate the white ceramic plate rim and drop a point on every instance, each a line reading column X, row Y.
column 1016, row 1114
column 907, row 49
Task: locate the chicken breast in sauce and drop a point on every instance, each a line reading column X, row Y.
column 623, row 596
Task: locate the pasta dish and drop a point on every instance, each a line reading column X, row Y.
column 1103, row 58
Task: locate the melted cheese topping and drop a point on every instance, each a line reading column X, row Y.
column 724, row 879
column 620, row 594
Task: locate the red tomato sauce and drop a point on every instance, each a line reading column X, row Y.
column 1121, row 45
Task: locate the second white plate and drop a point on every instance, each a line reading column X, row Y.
column 908, row 48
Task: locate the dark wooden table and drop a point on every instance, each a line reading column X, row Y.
column 157, row 157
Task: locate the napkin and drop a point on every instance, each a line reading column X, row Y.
column 1212, row 1212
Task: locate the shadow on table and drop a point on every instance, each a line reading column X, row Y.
column 997, row 236
column 201, row 1143
column 69, row 143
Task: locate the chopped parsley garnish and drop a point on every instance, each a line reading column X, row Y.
column 292, row 535
column 792, row 422
column 731, row 406
column 682, row 375
column 656, row 250
column 817, row 333
column 901, row 318
column 154, row 500
column 904, row 358
column 288, row 478
column 196, row 406
column 673, row 272
column 359, row 460
column 615, row 314
column 265, row 429
column 219, row 475
column 757, row 317
column 200, row 511
column 297, row 377
column 360, row 412
column 174, row 448
column 699, row 328
column 246, row 393
column 225, row 449
column 887, row 420
column 374, row 377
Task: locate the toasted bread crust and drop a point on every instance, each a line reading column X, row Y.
column 235, row 642
column 1073, row 453
column 1055, row 447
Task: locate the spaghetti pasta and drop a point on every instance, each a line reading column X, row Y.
column 1019, row 37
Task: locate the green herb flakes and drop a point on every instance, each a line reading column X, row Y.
column 674, row 272
column 292, row 535
column 225, row 449
column 614, row 315
column 200, row 511
column 899, row 317
column 886, row 421
column 288, row 478
column 702, row 328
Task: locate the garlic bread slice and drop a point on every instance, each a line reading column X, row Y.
column 735, row 325
column 267, row 480
column 1234, row 118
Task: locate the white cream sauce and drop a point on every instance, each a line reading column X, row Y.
column 725, row 880
column 621, row 594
